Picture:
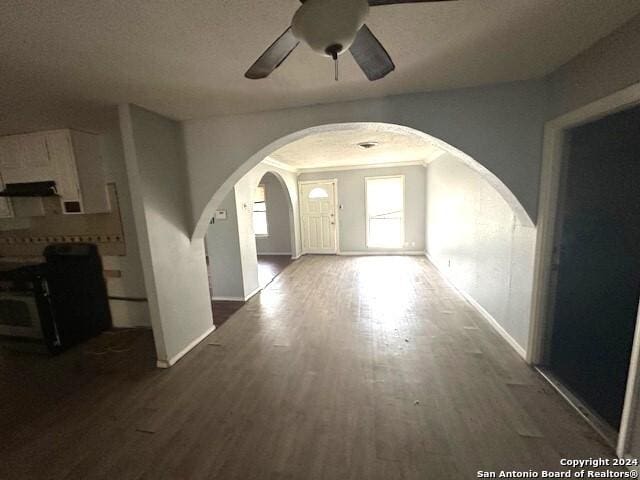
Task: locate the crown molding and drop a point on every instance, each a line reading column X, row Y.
column 338, row 168
column 281, row 165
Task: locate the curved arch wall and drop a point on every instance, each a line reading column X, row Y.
column 500, row 127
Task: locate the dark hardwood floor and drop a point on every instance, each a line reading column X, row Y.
column 223, row 310
column 342, row 368
column 270, row 266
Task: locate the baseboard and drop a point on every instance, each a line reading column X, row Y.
column 381, row 252
column 296, row 256
column 185, row 350
column 275, row 253
column 608, row 434
column 252, row 293
column 480, row 309
column 228, row 299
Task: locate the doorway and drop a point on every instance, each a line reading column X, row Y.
column 595, row 275
column 318, row 216
column 272, row 228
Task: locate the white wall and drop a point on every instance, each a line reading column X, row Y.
column 474, row 238
column 499, row 126
column 352, row 216
column 279, row 224
column 174, row 268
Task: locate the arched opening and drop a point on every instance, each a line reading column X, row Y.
column 256, row 217
column 265, row 152
column 273, row 227
column 451, row 208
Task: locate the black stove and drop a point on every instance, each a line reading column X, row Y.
column 61, row 301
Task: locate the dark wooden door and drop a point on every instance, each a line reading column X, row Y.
column 598, row 274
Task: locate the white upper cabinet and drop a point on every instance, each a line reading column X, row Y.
column 69, row 158
column 24, row 158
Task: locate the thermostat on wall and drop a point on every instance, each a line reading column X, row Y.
column 220, row 215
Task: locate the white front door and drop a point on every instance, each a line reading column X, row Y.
column 318, row 216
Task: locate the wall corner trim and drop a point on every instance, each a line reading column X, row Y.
column 185, row 350
column 483, row 313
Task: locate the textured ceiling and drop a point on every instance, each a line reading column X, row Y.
column 186, row 59
column 340, row 148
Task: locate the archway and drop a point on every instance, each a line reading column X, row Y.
column 230, row 239
column 273, row 227
column 258, row 157
column 492, row 268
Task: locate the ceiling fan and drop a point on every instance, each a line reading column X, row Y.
column 330, row 28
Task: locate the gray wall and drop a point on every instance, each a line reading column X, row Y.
column 130, row 284
column 474, row 239
column 611, row 64
column 231, row 243
column 174, row 268
column 277, row 201
column 352, row 215
column 223, row 249
column 499, row 126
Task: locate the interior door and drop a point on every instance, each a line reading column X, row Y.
column 318, row 216
column 597, row 256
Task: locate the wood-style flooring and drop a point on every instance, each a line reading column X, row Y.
column 270, row 266
column 223, row 310
column 342, row 368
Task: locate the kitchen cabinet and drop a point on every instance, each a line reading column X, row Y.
column 69, row 158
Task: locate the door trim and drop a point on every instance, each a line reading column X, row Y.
column 539, row 327
column 336, row 207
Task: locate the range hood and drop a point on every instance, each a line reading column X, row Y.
column 31, row 189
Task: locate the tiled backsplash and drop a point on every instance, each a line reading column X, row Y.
column 103, row 229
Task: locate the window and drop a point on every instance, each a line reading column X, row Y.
column 260, row 226
column 385, row 211
column 318, row 193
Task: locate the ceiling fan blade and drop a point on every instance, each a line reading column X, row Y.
column 369, row 53
column 377, row 3
column 273, row 56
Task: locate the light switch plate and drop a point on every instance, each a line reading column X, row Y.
column 220, row 215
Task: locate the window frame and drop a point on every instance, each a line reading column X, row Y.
column 402, row 216
column 266, row 215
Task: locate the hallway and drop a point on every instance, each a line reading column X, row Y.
column 342, row 368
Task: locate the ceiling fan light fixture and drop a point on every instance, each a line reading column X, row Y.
column 323, row 24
